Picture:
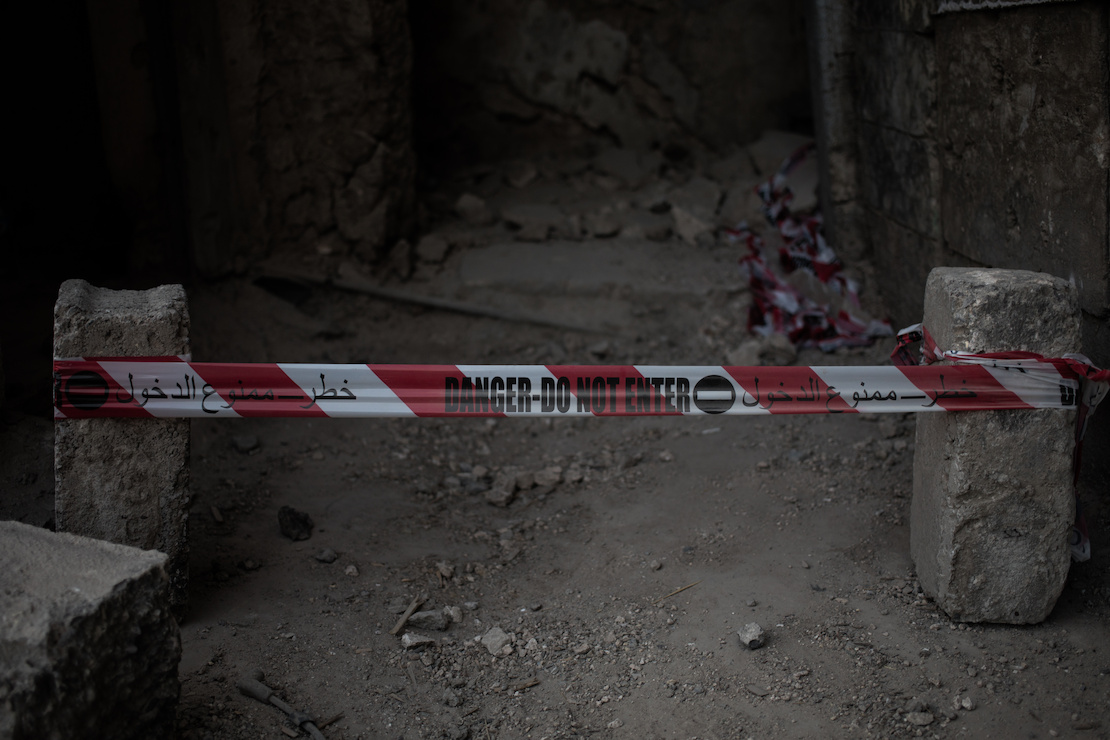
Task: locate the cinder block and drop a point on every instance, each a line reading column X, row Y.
column 88, row 646
column 124, row 480
column 993, row 501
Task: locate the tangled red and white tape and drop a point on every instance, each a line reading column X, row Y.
column 177, row 387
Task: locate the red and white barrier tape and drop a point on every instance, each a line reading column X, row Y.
column 167, row 387
column 777, row 306
column 176, row 387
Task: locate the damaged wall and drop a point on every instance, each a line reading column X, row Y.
column 297, row 120
column 969, row 137
column 504, row 78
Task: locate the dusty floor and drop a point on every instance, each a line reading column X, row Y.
column 799, row 524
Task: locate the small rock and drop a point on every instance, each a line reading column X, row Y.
column 432, row 249
column 751, row 602
column 751, row 636
column 428, row 620
column 650, row 226
column 757, row 690
column 599, row 349
column 549, row 476
column 604, row 223
column 495, row 640
column 615, row 724
column 413, row 640
column 473, row 210
column 249, row 565
column 775, row 349
column 450, row 698
column 445, row 569
column 655, row 565
column 520, row 174
column 582, row 649
column 502, row 491
column 535, row 222
column 453, row 614
column 296, row 525
column 968, row 703
column 327, row 555
column 351, row 570
column 919, row 718
column 915, row 705
column 470, row 606
column 666, row 456
column 245, row 442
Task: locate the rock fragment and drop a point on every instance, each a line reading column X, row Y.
column 428, row 620
column 751, row 636
column 296, row 525
column 495, row 640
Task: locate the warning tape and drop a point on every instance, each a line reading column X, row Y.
column 164, row 387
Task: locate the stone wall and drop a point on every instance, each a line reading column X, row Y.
column 968, row 137
column 506, row 78
column 958, row 133
column 297, row 124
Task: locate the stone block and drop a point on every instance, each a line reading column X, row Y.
column 993, row 501
column 124, row 480
column 1024, row 127
column 88, row 646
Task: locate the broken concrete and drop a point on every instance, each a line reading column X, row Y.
column 124, row 480
column 993, row 501
column 88, row 646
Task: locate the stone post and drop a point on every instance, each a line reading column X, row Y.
column 124, row 480
column 88, row 646
column 993, row 501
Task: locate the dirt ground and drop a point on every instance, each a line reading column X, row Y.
column 561, row 614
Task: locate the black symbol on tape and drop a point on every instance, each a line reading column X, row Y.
column 714, row 394
column 1067, row 396
column 86, row 390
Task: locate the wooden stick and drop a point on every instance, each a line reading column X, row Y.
column 527, row 685
column 408, row 613
column 676, row 591
column 348, row 279
column 327, row 722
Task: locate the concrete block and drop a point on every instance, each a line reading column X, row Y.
column 124, row 480
column 88, row 646
column 993, row 501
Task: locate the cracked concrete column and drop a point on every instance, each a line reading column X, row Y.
column 124, row 480
column 993, row 501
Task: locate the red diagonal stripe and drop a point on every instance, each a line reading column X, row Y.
column 962, row 387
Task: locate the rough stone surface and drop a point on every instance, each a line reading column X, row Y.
column 527, row 76
column 88, row 646
column 751, row 636
column 124, row 480
column 299, row 118
column 899, row 174
column 993, row 502
column 496, row 639
column 1026, row 155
